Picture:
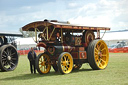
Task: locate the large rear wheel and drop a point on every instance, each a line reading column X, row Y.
column 8, row 58
column 98, row 54
column 65, row 63
column 43, row 63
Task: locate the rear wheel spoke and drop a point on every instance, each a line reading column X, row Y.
column 96, row 49
column 103, row 49
column 12, row 63
column 14, row 58
column 103, row 61
column 99, row 63
column 4, row 59
column 3, row 56
column 12, row 54
column 5, row 53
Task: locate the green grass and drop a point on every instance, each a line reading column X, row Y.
column 115, row 74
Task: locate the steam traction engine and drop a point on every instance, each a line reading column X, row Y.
column 68, row 46
column 8, row 51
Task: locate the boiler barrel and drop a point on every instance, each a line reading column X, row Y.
column 63, row 48
column 59, row 49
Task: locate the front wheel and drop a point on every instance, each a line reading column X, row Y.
column 98, row 54
column 65, row 63
column 43, row 64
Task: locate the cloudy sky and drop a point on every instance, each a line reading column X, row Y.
column 14, row 14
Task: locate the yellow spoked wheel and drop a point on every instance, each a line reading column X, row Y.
column 98, row 54
column 43, row 63
column 65, row 63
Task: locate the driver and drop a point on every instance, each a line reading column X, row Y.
column 41, row 35
column 1, row 40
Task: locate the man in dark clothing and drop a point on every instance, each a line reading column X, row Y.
column 32, row 58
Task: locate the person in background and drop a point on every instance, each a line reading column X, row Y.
column 5, row 40
column 32, row 58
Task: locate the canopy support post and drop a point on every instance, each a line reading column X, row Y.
column 47, row 32
column 51, row 33
column 61, row 35
column 36, row 35
column 98, row 34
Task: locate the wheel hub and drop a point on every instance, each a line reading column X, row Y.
column 43, row 63
column 64, row 63
column 9, row 58
column 100, row 55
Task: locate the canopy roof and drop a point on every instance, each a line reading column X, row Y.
column 40, row 25
column 11, row 34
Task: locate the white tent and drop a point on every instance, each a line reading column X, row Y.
column 25, row 41
column 117, row 35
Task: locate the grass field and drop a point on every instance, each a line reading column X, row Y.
column 115, row 74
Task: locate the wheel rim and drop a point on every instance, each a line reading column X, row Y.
column 66, row 63
column 44, row 63
column 101, row 54
column 9, row 58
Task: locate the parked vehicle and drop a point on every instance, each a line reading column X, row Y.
column 8, row 51
column 119, row 47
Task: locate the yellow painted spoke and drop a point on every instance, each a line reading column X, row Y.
column 103, row 49
column 96, row 53
column 39, row 63
column 64, row 58
column 103, row 61
column 40, row 60
column 43, row 68
column 96, row 49
column 97, row 59
column 96, row 56
column 63, row 64
column 62, row 61
column 101, row 44
column 40, row 66
column 99, row 63
column 63, row 68
column 68, row 63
